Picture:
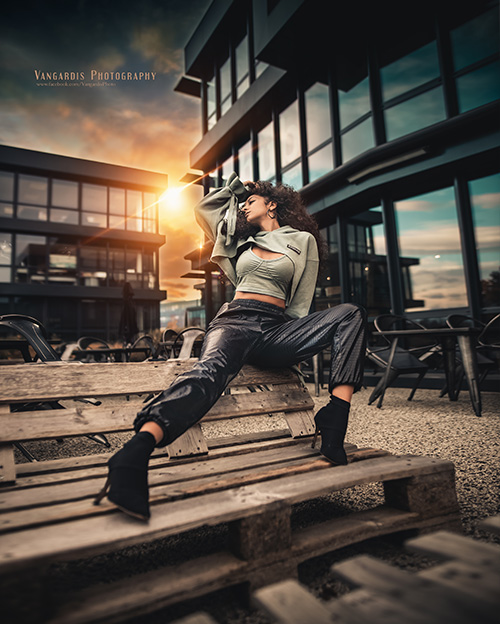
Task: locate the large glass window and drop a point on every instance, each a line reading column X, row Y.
column 93, row 266
column 242, row 67
column 134, row 210
column 291, row 171
column 355, row 118
column 485, row 202
column 429, row 244
column 30, row 258
column 318, row 130
column 117, row 208
column 62, row 262
column 64, row 194
column 415, row 71
column 33, row 190
column 475, row 40
column 245, row 161
column 328, row 292
column 225, row 86
column 116, row 267
column 6, row 186
column 5, row 256
column 133, row 259
column 267, row 167
column 478, row 87
column 226, row 169
column 94, row 205
column 211, row 103
column 150, row 212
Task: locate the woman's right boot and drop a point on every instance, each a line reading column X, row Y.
column 127, row 482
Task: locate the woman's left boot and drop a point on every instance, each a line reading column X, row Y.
column 331, row 422
column 127, row 482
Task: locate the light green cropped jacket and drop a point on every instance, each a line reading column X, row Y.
column 220, row 206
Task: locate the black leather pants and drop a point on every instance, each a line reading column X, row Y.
column 250, row 331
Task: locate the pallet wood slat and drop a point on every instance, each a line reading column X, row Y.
column 491, row 524
column 482, row 584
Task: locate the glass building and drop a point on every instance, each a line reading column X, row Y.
column 386, row 117
column 72, row 232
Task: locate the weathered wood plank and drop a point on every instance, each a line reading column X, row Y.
column 491, row 524
column 44, row 381
column 290, row 602
column 300, row 423
column 417, row 592
column 7, row 464
column 197, row 618
column 445, row 545
column 192, row 442
column 112, row 531
column 480, row 583
column 83, row 419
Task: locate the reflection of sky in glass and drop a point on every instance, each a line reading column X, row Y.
column 414, row 114
column 65, row 193
column 245, row 161
column 410, row 71
column 479, row 87
column 293, row 177
column 354, row 103
column 227, row 168
column 225, row 86
column 5, row 248
column 378, row 235
column 267, row 169
column 476, row 39
column 242, row 68
column 317, row 115
column 33, row 189
column 6, row 185
column 428, row 230
column 289, row 134
column 357, row 140
column 485, row 202
column 320, row 162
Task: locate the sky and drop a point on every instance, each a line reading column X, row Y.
column 142, row 124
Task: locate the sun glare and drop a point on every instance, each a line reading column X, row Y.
column 171, row 200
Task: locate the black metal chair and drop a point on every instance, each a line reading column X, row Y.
column 396, row 360
column 37, row 337
column 185, row 342
column 485, row 364
column 86, row 343
column 145, row 341
column 489, row 340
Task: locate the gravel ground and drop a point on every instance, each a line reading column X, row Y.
column 426, row 426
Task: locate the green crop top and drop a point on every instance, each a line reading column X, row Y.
column 220, row 207
column 267, row 277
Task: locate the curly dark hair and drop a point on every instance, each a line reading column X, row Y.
column 290, row 210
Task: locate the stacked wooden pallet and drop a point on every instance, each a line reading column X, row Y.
column 248, row 483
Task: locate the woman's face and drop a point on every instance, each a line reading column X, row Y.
column 256, row 208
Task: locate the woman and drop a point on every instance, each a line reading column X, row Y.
column 269, row 250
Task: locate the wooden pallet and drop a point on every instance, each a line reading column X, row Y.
column 247, row 483
column 464, row 590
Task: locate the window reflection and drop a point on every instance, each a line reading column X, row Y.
column 64, row 194
column 354, row 102
column 245, row 161
column 242, row 67
column 293, row 176
column 485, row 202
column 267, row 168
column 32, row 212
column 211, row 103
column 225, row 86
column 289, row 134
column 409, row 72
column 320, row 162
column 30, row 258
column 318, row 130
column 428, row 234
column 6, row 210
column 64, row 216
column 94, row 198
column 415, row 113
column 33, row 190
column 227, row 169
column 479, row 87
column 6, row 186
column 328, row 291
column 5, row 256
column 357, row 140
column 476, row 39
column 93, row 266
column 62, row 262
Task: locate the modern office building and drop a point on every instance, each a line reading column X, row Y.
column 72, row 232
column 386, row 116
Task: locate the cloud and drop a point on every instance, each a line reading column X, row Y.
column 153, row 44
column 486, row 201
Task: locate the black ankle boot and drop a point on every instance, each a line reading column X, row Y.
column 331, row 422
column 127, row 482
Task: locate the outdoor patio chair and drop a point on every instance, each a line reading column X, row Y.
column 145, row 341
column 484, row 362
column 37, row 336
column 86, row 343
column 489, row 340
column 184, row 342
column 164, row 350
column 413, row 357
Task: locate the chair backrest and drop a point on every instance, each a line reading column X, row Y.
column 188, row 336
column 490, row 336
column 34, row 332
column 388, row 322
column 460, row 320
column 143, row 341
column 88, row 342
